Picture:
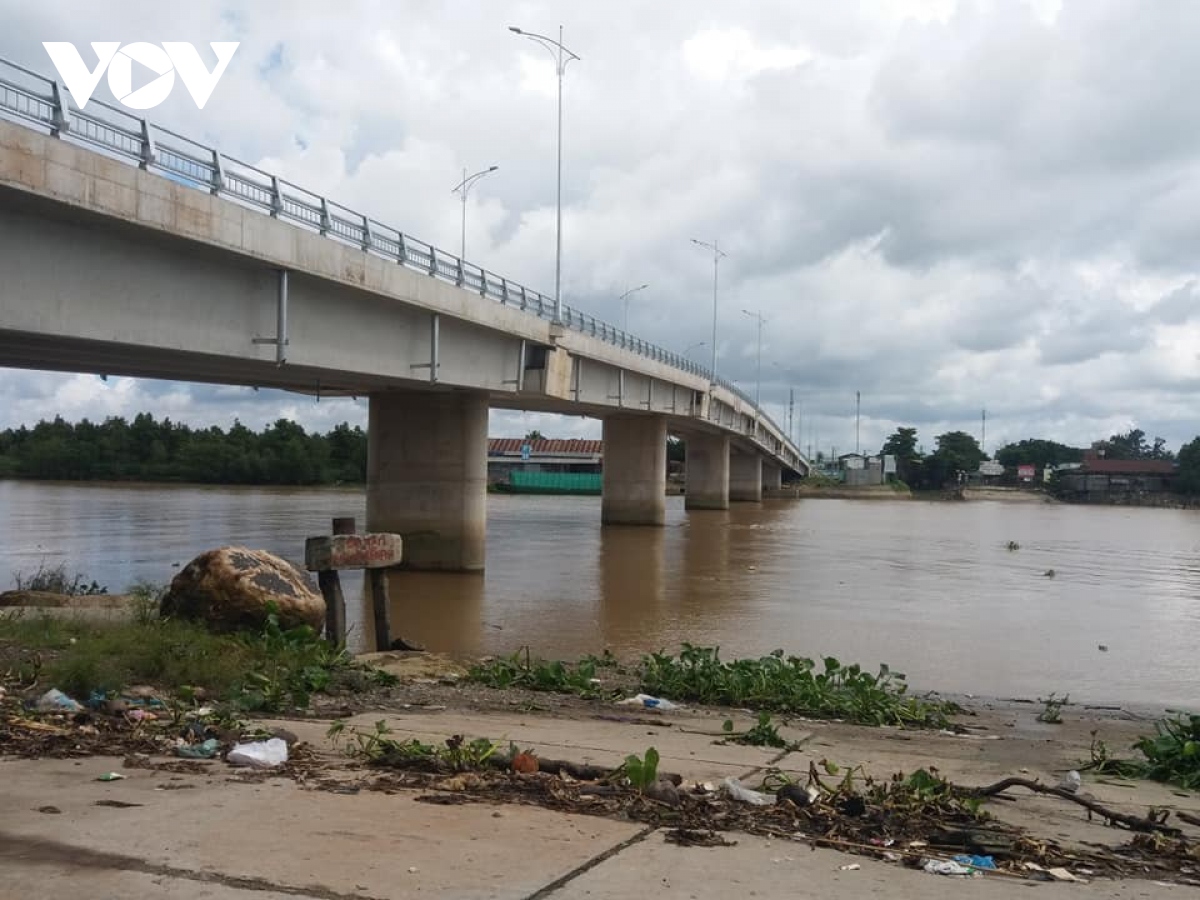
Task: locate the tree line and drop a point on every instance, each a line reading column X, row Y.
column 146, row 449
column 958, row 452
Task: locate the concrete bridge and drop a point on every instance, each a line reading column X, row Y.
column 129, row 250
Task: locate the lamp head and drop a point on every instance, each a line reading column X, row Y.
column 515, row 30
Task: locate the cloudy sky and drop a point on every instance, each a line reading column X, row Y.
column 944, row 205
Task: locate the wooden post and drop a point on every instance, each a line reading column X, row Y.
column 331, row 589
column 381, row 607
column 346, row 549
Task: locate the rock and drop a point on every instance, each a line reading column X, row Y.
column 229, row 589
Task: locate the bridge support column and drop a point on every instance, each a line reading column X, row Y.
column 706, row 471
column 745, row 477
column 772, row 477
column 427, row 476
column 635, row 471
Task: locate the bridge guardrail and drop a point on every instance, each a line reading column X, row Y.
column 27, row 95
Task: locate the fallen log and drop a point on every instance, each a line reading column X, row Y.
column 1134, row 823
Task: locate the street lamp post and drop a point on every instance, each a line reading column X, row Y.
column 758, row 381
column 562, row 56
column 717, row 254
column 625, row 296
column 695, row 346
column 464, row 187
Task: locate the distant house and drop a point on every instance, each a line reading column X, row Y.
column 1113, row 480
column 506, row 455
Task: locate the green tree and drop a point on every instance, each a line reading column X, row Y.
column 1188, row 481
column 534, row 435
column 902, row 444
column 1037, row 452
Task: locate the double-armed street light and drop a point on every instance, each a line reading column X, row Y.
column 625, row 297
column 562, row 56
column 463, row 187
column 717, row 254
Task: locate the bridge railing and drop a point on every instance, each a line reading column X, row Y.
column 115, row 132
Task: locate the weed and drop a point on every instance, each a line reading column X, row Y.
column 522, row 671
column 1052, row 713
column 54, row 580
column 642, row 772
column 788, row 685
column 457, row 754
column 764, row 733
column 1171, row 754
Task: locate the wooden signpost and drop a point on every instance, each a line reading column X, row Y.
column 344, row 549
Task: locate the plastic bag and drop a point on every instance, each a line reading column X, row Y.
column 743, row 794
column 259, row 755
column 55, row 700
column 645, row 700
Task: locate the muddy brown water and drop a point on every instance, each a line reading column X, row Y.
column 929, row 588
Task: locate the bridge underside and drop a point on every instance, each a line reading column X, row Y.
column 114, row 271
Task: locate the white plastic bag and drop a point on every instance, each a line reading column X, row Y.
column 645, row 700
column 743, row 794
column 259, row 754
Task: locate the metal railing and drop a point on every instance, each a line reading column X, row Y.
column 30, row 97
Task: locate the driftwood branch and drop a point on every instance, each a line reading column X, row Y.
column 1135, row 823
column 1188, row 817
column 579, row 771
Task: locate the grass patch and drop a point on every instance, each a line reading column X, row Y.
column 791, row 685
column 266, row 671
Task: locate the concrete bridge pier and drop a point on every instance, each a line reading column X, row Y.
column 634, row 483
column 427, row 476
column 772, row 476
column 745, row 477
column 706, row 472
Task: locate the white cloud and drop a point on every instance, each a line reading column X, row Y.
column 946, row 204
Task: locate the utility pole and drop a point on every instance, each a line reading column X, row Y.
column 857, row 411
column 791, row 412
column 983, row 432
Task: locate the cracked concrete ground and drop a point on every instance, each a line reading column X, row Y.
column 223, row 835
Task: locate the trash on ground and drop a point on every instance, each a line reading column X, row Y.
column 111, row 776
column 945, row 867
column 204, row 750
column 852, row 867
column 645, row 700
column 55, row 700
column 259, row 754
column 975, row 862
column 743, row 794
column 1071, row 782
column 1057, row 873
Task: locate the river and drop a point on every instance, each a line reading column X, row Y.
column 929, row 588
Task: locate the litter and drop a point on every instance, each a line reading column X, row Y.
column 976, row 862
column 259, row 754
column 945, row 867
column 852, row 867
column 1071, row 782
column 743, row 794
column 205, row 750
column 55, row 700
column 111, row 776
column 649, row 702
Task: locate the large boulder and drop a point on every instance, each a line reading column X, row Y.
column 230, row 588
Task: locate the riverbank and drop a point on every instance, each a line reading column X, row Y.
column 329, row 824
column 803, row 490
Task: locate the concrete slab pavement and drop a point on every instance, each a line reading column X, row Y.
column 758, row 867
column 279, row 837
